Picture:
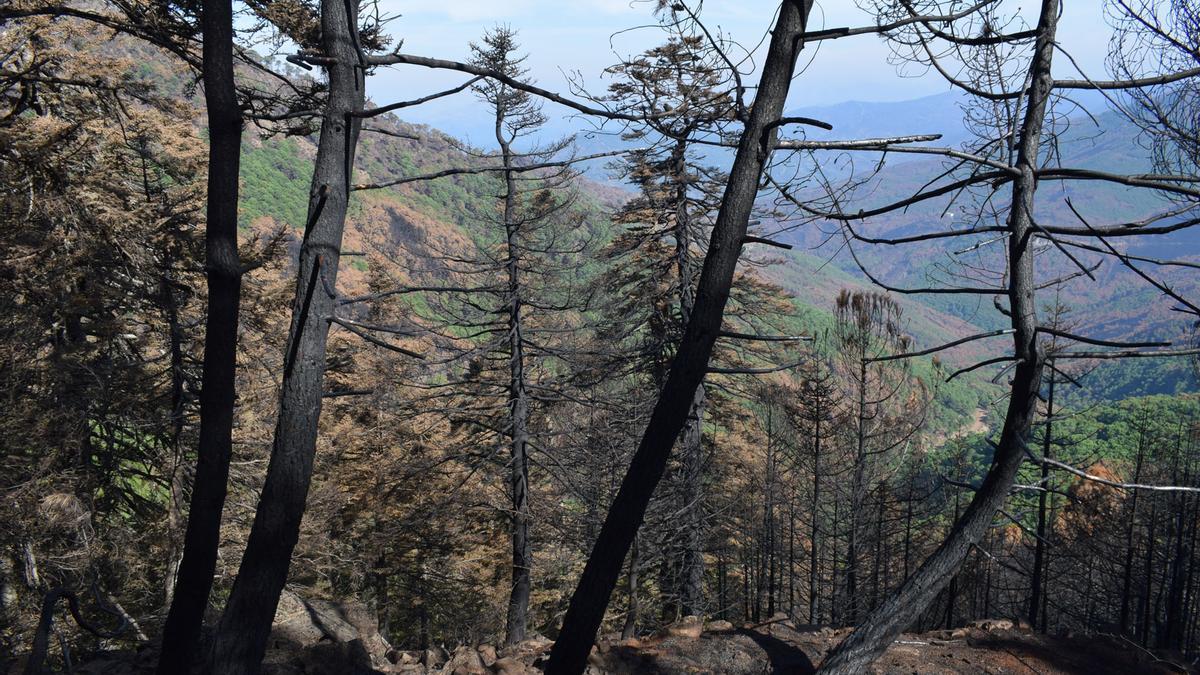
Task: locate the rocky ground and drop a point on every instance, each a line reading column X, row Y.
column 314, row 637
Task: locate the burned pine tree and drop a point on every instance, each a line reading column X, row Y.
column 516, row 116
column 1012, row 156
column 695, row 348
column 886, row 409
column 682, row 89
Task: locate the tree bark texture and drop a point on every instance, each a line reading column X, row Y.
column 224, row 275
column 246, row 623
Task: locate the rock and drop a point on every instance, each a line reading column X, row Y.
column 293, row 626
column 992, row 624
column 123, row 662
column 595, row 659
column 465, row 661
column 689, row 627
column 488, row 654
column 507, row 665
column 407, row 669
column 337, row 658
column 718, row 625
column 404, row 658
column 301, row 623
column 534, row 644
column 959, row 633
column 434, row 657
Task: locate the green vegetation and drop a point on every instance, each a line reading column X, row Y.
column 275, row 183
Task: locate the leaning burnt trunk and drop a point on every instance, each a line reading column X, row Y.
column 588, row 603
column 908, row 602
column 224, row 272
column 242, row 633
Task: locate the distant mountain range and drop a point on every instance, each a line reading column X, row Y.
column 1115, row 304
column 404, row 223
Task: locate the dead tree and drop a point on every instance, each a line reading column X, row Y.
column 224, row 270
column 516, row 115
column 869, row 325
column 681, row 87
column 1014, row 162
column 688, row 368
column 241, row 637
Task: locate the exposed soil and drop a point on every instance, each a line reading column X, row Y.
column 775, row 647
column 779, row 648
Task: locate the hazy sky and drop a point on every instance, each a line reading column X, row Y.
column 585, row 36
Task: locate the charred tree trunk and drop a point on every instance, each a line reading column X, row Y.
column 688, row 368
column 814, row 570
column 242, row 633
column 224, row 274
column 1130, row 543
column 1146, row 610
column 631, row 615
column 791, row 558
column 1176, row 569
column 857, row 492
column 1037, row 580
column 691, row 573
column 518, row 403
column 899, row 610
column 175, row 514
column 769, row 547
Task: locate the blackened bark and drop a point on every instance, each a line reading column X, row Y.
column 1177, row 565
column 1146, row 612
column 175, row 507
column 688, row 368
column 1039, row 552
column 631, row 615
column 691, row 573
column 814, row 603
column 518, row 403
column 858, row 488
column 242, row 633
column 1130, row 530
column 904, row 605
column 768, row 548
column 224, row 274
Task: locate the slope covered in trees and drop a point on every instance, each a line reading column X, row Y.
column 448, row 357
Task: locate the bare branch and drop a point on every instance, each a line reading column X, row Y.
column 948, row 345
column 1053, row 463
column 459, row 171
column 766, row 338
column 1098, row 342
column 977, row 366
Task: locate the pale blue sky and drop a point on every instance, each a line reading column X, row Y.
column 584, row 36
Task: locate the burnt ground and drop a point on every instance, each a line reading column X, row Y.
column 991, row 647
column 780, row 648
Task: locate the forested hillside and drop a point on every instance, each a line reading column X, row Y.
column 293, row 385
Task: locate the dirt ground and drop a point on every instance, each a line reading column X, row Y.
column 780, row 648
column 992, row 647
